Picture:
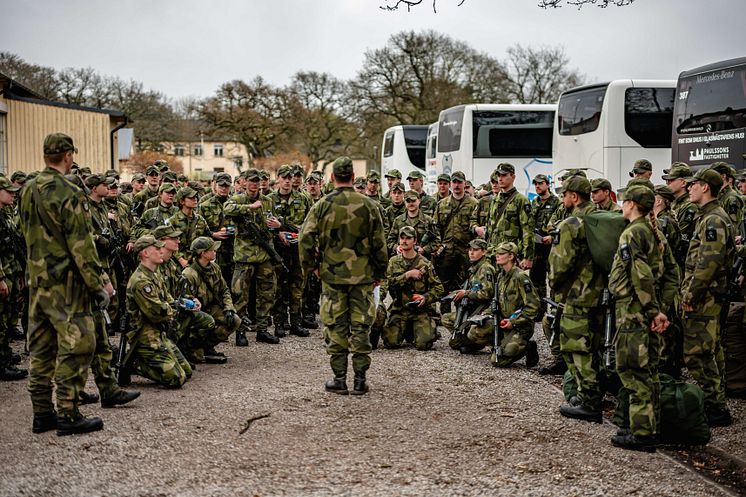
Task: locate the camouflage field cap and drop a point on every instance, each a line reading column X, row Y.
column 169, row 177
column 94, row 180
column 640, row 195
column 263, row 174
column 139, row 177
column 506, row 248
column 342, row 166
column 58, row 143
column 723, row 168
column 411, row 194
column 317, row 175
column 182, row 178
column 478, row 243
column 665, row 192
column 223, row 179
column 284, row 171
column 162, row 165
column 298, row 169
column 505, row 168
column 202, row 243
column 393, row 173
column 540, row 178
column 444, row 177
column 167, row 187
column 408, row 231
column 146, row 241
column 494, row 176
column 458, row 176
column 678, row 170
column 186, row 192
column 708, row 176
column 360, row 182
column 641, row 182
column 18, row 177
column 112, row 173
column 84, row 171
column 152, row 169
column 398, row 187
column 577, row 184
column 600, row 184
column 112, row 182
column 199, row 187
column 312, row 178
column 641, row 166
column 166, row 231
column 252, row 174
column 415, row 175
column 5, row 184
column 573, row 172
column 374, row 176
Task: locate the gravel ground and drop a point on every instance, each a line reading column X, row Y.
column 434, row 423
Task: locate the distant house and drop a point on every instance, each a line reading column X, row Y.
column 26, row 118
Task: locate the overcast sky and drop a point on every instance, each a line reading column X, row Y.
column 189, row 47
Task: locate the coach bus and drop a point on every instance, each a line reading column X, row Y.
column 431, row 159
column 403, row 149
column 475, row 138
column 710, row 115
column 605, row 128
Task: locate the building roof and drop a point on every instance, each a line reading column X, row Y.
column 12, row 86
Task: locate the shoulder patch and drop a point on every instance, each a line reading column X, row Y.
column 733, row 208
column 489, row 276
column 527, row 208
column 624, row 252
column 689, row 215
column 527, row 285
column 85, row 205
column 711, row 234
column 147, row 289
column 556, row 238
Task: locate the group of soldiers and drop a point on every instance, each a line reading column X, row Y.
column 177, row 269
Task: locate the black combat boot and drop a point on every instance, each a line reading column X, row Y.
column 9, row 372
column 309, row 322
column 338, row 385
column 581, row 412
column 298, row 331
column 281, row 328
column 119, row 399
column 635, row 442
column 532, row 354
column 16, row 358
column 360, row 387
column 87, row 398
column 77, row 423
column 719, row 417
column 265, row 337
column 44, row 422
column 557, row 368
column 211, row 355
column 241, row 340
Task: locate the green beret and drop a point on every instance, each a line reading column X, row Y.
column 58, row 143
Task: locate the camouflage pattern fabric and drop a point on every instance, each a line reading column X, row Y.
column 191, row 228
column 732, row 203
column 11, row 271
column 514, row 224
column 152, row 218
column 667, row 224
column 480, row 216
column 542, row 211
column 390, row 213
column 686, row 213
column 453, row 263
column 481, row 284
column 237, row 210
column 208, row 285
column 428, row 204
column 211, row 208
column 428, row 234
column 610, row 206
column 263, row 275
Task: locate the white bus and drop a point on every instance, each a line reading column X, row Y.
column 403, row 149
column 710, row 115
column 475, row 138
column 431, row 156
column 605, row 128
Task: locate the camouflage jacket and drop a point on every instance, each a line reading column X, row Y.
column 610, row 206
column 149, row 306
column 710, row 256
column 542, row 211
column 635, row 275
column 572, row 275
column 732, row 203
column 152, row 218
column 514, row 223
column 170, row 272
column 428, row 236
column 428, row 204
column 390, row 213
column 139, row 199
column 290, row 209
column 208, row 285
column 666, row 221
column 12, row 257
column 402, row 289
column 245, row 248
column 685, row 213
column 380, row 200
column 480, row 216
column 481, row 286
column 190, row 228
column 457, row 213
column 52, row 262
column 516, row 292
column 343, row 237
column 100, row 223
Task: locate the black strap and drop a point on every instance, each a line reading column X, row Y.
column 501, row 208
column 451, row 215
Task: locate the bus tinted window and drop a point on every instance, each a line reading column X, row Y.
column 512, row 134
column 415, row 139
column 449, row 130
column 648, row 114
column 580, row 112
column 388, row 144
column 713, row 101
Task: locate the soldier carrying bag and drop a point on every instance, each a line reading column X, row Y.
column 602, row 231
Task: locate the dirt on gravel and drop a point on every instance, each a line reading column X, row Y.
column 434, row 423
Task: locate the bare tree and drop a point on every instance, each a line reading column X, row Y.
column 42, row 80
column 539, row 75
column 411, row 3
column 546, row 4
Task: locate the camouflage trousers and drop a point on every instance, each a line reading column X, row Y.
column 289, row 294
column 103, row 374
column 546, row 327
column 468, row 333
column 399, row 324
column 311, row 295
column 671, row 356
column 160, row 360
column 513, row 346
column 222, row 331
column 452, row 268
column 538, row 272
column 196, row 330
column 581, row 337
column 347, row 312
column 637, row 351
column 264, row 276
column 9, row 310
column 703, row 353
column 61, row 341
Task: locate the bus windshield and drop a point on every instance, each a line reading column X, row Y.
column 512, row 133
column 712, row 101
column 580, row 111
column 415, row 139
column 449, row 130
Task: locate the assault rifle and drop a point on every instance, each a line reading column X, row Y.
column 248, row 229
column 554, row 318
column 607, row 301
column 461, row 307
column 734, row 286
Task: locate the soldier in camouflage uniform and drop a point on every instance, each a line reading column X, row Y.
column 393, row 177
column 480, row 218
column 373, row 190
column 411, row 278
column 252, row 262
column 211, row 208
column 428, row 237
column 290, row 207
column 683, row 209
column 728, row 198
column 636, row 274
column 11, row 279
column 397, row 207
column 542, row 208
column 343, row 240
column 155, row 355
column 64, row 273
column 167, row 177
column 311, row 283
column 187, row 220
column 153, row 178
column 360, row 185
column 642, row 168
column 578, row 283
column 703, row 292
column 452, row 216
column 417, row 183
column 156, row 216
column 444, row 187
column 479, row 289
column 510, row 218
column 601, row 195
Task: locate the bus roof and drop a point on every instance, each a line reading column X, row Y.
column 528, row 107
column 664, row 83
column 723, row 64
column 408, row 126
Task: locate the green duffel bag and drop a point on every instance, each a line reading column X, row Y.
column 602, row 231
column 683, row 419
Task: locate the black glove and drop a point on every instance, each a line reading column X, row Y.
column 230, row 319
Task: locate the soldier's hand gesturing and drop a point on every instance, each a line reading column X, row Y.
column 660, row 323
column 413, row 274
column 418, row 298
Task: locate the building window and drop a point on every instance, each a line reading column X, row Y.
column 238, row 162
column 219, row 170
column 217, row 150
column 197, row 151
column 179, row 150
